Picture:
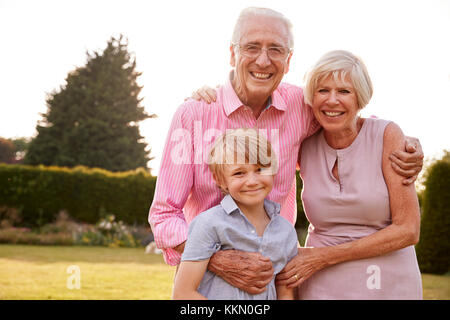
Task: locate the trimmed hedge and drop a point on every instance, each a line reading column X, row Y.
column 40, row 192
column 433, row 249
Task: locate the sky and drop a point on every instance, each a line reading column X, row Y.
column 182, row 45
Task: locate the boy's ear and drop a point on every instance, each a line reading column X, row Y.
column 219, row 183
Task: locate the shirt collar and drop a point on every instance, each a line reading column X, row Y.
column 230, row 206
column 231, row 101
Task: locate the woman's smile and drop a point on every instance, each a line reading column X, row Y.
column 333, row 114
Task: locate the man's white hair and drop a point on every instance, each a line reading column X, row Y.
column 265, row 12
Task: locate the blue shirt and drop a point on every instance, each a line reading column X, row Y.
column 225, row 227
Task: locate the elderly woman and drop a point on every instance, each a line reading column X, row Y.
column 364, row 222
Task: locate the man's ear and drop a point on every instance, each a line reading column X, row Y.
column 288, row 62
column 233, row 56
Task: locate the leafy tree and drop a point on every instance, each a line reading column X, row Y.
column 21, row 147
column 21, row 144
column 428, row 163
column 93, row 119
column 434, row 243
column 7, row 150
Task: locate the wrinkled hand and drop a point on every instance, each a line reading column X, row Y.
column 248, row 271
column 408, row 163
column 205, row 93
column 301, row 267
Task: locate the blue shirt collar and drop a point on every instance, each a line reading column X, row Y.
column 230, row 206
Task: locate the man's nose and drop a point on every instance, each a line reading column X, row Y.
column 263, row 59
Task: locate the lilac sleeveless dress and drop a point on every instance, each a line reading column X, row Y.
column 353, row 208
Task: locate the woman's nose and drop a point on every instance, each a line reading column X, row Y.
column 332, row 98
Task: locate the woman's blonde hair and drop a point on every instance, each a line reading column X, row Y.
column 338, row 64
column 241, row 146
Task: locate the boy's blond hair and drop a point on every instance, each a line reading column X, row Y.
column 241, row 146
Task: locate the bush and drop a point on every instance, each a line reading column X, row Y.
column 9, row 217
column 25, row 236
column 39, row 193
column 434, row 245
column 108, row 232
column 64, row 231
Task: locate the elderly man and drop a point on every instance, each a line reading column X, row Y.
column 253, row 97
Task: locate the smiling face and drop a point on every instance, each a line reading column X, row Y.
column 256, row 78
column 335, row 105
column 248, row 184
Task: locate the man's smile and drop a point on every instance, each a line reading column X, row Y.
column 261, row 75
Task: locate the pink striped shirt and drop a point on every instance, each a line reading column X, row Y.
column 185, row 186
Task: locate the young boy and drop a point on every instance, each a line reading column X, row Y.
column 243, row 165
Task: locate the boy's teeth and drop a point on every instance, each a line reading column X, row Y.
column 261, row 75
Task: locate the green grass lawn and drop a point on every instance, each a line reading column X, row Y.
column 40, row 272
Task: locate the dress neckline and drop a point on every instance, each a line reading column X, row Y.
column 345, row 150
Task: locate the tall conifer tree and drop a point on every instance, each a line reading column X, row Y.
column 93, row 119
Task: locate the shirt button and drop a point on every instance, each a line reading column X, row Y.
column 253, row 231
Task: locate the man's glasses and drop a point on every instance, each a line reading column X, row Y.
column 253, row 51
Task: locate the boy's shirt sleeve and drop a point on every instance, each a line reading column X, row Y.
column 203, row 240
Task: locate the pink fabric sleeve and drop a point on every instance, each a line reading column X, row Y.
column 310, row 121
column 173, row 185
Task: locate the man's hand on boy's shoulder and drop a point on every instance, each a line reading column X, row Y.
column 248, row 271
